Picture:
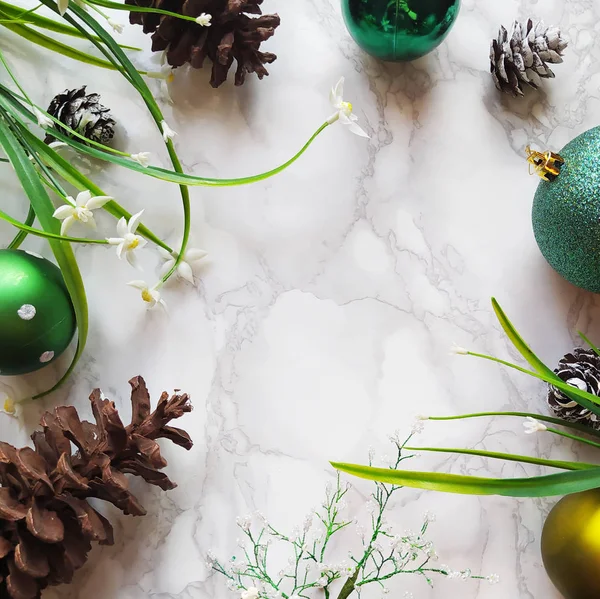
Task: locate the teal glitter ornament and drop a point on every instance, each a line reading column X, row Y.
column 566, row 212
column 399, row 29
column 37, row 320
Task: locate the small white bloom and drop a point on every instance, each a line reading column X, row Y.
column 185, row 268
column 62, row 6
column 55, row 145
column 244, row 522
column 116, row 27
column 493, row 578
column 168, row 133
column 166, row 75
column 204, row 20
column 343, row 110
column 142, row 158
column 43, row 121
column 531, row 425
column 80, row 209
column 458, row 350
column 150, row 295
column 322, row 582
column 417, row 427
column 250, row 593
column 128, row 241
column 421, row 417
column 9, row 405
column 430, row 517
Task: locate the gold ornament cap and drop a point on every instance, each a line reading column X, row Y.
column 546, row 165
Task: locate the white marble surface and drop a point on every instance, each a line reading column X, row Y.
column 322, row 322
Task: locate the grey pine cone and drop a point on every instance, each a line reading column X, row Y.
column 83, row 113
column 523, row 57
column 581, row 369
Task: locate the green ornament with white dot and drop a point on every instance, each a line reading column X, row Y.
column 37, row 320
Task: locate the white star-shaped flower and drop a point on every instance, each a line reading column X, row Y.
column 128, row 241
column 43, row 121
column 150, row 295
column 250, row 593
column 80, row 210
column 142, row 158
column 167, row 132
column 343, row 110
column 204, row 20
column 185, row 268
column 116, row 27
column 531, row 425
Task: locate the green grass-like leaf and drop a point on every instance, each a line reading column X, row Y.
column 563, row 483
column 44, row 209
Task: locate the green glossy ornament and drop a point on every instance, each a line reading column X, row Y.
column 571, row 545
column 37, row 320
column 566, row 213
column 399, row 29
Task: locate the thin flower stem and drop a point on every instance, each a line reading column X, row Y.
column 573, row 437
column 21, row 235
column 142, row 9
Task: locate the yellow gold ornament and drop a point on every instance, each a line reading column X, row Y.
column 571, row 545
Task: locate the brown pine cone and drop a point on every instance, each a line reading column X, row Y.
column 231, row 35
column 46, row 525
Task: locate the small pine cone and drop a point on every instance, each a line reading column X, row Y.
column 581, row 369
column 231, row 35
column 47, row 526
column 83, row 113
column 523, row 57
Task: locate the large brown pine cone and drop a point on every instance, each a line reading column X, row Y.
column 46, row 525
column 232, row 35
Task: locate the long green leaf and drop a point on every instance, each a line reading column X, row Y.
column 63, row 253
column 59, row 47
column 38, row 20
column 21, row 235
column 509, row 457
column 550, row 485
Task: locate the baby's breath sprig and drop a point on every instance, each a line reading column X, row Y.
column 313, row 571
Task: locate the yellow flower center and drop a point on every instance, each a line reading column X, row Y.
column 9, row 405
column 147, row 296
column 347, row 107
column 133, row 243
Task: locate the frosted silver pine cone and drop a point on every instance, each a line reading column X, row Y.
column 581, row 369
column 83, row 113
column 522, row 58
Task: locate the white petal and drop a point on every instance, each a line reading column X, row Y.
column 133, row 260
column 97, row 202
column 184, row 270
column 122, row 227
column 62, row 6
column 357, row 130
column 193, row 254
column 134, row 222
column 337, row 93
column 83, row 198
column 67, row 224
column 142, row 158
column 138, row 284
column 63, row 212
column 120, row 249
column 141, row 242
column 115, row 240
column 164, row 254
column 91, row 222
column 166, row 267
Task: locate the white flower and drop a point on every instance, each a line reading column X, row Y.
column 457, row 349
column 43, row 121
column 244, row 522
column 430, row 517
column 142, row 158
column 204, row 20
column 417, row 427
column 421, row 417
column 128, row 241
column 166, row 76
column 168, row 133
column 250, row 593
column 531, row 425
column 9, row 405
column 150, row 295
column 116, row 27
column 62, row 6
column 80, row 210
column 184, row 269
column 343, row 110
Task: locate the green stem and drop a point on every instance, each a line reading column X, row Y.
column 594, row 348
column 573, row 437
column 21, row 235
column 142, row 9
column 38, row 233
column 580, row 427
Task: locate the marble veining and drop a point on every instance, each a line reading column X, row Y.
column 322, row 319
